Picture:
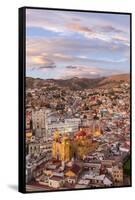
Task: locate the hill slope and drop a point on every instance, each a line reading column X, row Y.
column 78, row 83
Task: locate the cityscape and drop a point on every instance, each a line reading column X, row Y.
column 77, row 138
column 77, row 126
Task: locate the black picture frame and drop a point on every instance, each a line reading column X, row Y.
column 22, row 89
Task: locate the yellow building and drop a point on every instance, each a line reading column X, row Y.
column 61, row 147
column 117, row 173
column 97, row 132
column 96, row 128
column 65, row 148
column 28, row 134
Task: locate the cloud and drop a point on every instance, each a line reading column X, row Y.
column 79, row 27
column 62, row 56
column 60, row 50
column 110, row 29
column 76, row 19
column 40, row 62
column 90, row 25
column 80, row 71
column 71, row 67
column 77, row 42
column 47, row 67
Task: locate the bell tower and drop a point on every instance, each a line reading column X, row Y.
column 96, row 127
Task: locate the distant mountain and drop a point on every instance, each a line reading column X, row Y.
column 112, row 81
column 78, row 83
column 118, row 77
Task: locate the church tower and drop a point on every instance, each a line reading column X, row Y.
column 96, row 127
column 61, row 147
column 65, row 149
column 56, row 146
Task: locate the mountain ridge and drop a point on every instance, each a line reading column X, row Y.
column 77, row 83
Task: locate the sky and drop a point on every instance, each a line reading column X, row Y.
column 67, row 44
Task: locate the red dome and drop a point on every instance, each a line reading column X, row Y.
column 80, row 133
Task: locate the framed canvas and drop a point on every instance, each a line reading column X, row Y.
column 74, row 99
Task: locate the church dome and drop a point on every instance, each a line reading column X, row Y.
column 80, row 133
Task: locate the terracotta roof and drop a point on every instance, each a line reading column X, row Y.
column 56, row 178
column 80, row 133
column 75, row 168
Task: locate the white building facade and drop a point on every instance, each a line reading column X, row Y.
column 44, row 126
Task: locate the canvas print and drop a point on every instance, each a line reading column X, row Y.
column 77, row 100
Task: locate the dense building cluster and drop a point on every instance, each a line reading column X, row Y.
column 77, row 138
